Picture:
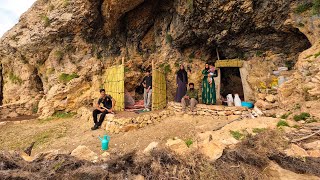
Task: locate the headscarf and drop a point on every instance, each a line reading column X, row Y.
column 181, row 73
column 207, row 69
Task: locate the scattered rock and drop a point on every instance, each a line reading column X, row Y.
column 105, row 156
column 211, row 150
column 84, row 153
column 262, row 96
column 150, row 147
column 315, row 145
column 314, row 153
column 177, row 146
column 26, row 157
column 296, row 151
column 271, row 98
column 275, row 172
column 263, row 105
column 138, row 177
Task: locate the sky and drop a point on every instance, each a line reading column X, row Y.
column 10, row 11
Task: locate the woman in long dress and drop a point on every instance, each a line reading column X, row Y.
column 208, row 90
column 182, row 82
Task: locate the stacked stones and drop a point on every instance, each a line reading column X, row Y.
column 14, row 110
column 211, row 110
column 116, row 125
column 267, row 103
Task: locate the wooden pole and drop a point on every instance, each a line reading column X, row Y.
column 152, row 65
column 217, row 53
column 122, row 61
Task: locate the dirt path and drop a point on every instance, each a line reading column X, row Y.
column 67, row 134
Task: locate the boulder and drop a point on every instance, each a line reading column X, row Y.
column 271, row 98
column 275, row 172
column 263, row 105
column 150, row 147
column 315, row 145
column 314, row 153
column 84, row 153
column 296, row 151
column 211, row 150
column 177, row 145
column 262, row 96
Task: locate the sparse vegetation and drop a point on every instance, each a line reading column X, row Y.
column 166, row 68
column 66, row 3
column 237, row 135
column 282, row 123
column 300, row 24
column 302, row 116
column 259, row 53
column 285, row 116
column 63, row 115
column 67, row 77
column 126, row 69
column 189, row 142
column 190, row 5
column 317, row 54
column 35, row 109
column 316, row 7
column 303, row 7
column 297, row 106
column 45, row 20
column 59, row 55
column 14, row 78
column 309, row 56
column 168, row 38
column 258, row 130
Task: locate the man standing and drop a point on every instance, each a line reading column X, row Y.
column 190, row 98
column 147, row 84
column 107, row 105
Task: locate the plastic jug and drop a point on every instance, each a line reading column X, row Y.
column 229, row 99
column 104, row 142
column 237, row 100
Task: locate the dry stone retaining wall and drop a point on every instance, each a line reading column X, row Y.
column 116, row 125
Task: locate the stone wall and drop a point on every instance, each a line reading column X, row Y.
column 14, row 110
column 114, row 124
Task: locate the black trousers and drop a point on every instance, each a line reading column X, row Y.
column 102, row 116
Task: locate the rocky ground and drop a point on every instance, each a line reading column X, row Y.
column 192, row 147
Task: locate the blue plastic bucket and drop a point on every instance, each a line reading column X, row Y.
column 247, row 104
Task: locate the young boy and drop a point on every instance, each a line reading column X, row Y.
column 211, row 72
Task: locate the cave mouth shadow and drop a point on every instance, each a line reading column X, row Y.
column 231, row 82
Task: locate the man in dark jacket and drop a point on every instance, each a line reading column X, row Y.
column 104, row 106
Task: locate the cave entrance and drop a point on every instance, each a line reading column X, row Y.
column 232, row 79
column 115, row 86
column 231, row 82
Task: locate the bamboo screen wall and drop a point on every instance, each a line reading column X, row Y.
column 159, row 90
column 114, row 85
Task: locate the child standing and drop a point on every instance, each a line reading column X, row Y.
column 211, row 72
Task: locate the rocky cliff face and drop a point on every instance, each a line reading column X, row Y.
column 59, row 50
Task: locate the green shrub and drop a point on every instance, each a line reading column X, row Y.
column 167, row 69
column 14, row 78
column 168, row 38
column 189, row 142
column 190, row 5
column 35, row 109
column 302, row 116
column 316, row 7
column 258, row 130
column 317, row 54
column 303, row 7
column 46, row 20
column 237, row 135
column 296, row 126
column 285, row 116
column 59, row 55
column 63, row 115
column 67, row 77
column 66, row 3
column 259, row 53
column 282, row 123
